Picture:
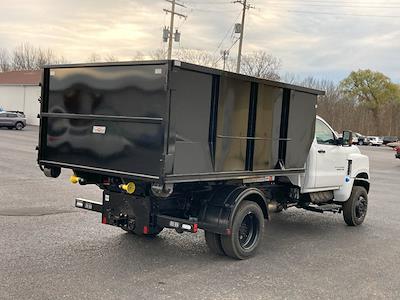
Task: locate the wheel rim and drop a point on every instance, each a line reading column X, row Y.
column 361, row 207
column 248, row 231
column 19, row 126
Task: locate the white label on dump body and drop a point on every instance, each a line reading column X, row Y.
column 99, row 129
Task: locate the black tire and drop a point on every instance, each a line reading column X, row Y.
column 246, row 232
column 213, row 241
column 19, row 126
column 355, row 208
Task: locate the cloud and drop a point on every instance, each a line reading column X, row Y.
column 329, row 40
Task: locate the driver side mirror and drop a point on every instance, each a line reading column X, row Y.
column 347, row 138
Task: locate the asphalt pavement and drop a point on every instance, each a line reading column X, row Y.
column 50, row 250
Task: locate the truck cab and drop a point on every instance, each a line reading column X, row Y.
column 333, row 165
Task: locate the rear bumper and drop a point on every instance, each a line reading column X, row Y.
column 137, row 214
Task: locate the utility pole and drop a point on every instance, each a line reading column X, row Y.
column 171, row 25
column 225, row 54
column 245, row 7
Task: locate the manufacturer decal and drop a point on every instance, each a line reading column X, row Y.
column 99, row 129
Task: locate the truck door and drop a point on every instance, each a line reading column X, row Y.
column 330, row 162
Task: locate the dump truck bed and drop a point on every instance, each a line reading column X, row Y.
column 171, row 122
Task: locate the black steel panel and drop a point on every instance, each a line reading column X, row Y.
column 301, row 128
column 189, row 121
column 136, row 91
column 128, row 102
column 268, row 123
column 127, row 147
column 232, row 125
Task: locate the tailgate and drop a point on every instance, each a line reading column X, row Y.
column 107, row 118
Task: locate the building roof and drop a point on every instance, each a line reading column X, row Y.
column 20, row 78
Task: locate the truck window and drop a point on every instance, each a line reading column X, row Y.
column 323, row 134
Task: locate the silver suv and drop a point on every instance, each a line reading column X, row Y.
column 12, row 120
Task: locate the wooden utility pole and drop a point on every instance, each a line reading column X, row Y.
column 171, row 24
column 245, row 7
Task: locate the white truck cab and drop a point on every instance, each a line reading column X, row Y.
column 337, row 175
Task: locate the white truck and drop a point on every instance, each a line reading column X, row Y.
column 180, row 146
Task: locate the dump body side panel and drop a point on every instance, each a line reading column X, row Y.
column 228, row 126
column 191, row 94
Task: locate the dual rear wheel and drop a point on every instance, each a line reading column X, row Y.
column 246, row 233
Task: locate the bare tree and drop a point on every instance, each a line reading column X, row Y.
column 4, row 61
column 28, row 57
column 262, row 65
column 24, row 57
column 158, row 54
column 94, row 57
column 110, row 58
column 195, row 56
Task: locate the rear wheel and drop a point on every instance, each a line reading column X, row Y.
column 213, row 241
column 246, row 232
column 355, row 209
column 19, row 126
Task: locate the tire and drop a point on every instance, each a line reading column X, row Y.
column 213, row 241
column 355, row 208
column 246, row 232
column 19, row 126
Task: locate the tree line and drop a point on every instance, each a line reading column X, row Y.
column 366, row 101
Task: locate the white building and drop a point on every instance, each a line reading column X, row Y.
column 20, row 90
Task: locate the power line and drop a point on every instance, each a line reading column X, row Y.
column 230, row 30
column 233, row 44
column 341, row 14
column 279, row 4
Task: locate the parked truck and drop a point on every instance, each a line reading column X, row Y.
column 182, row 146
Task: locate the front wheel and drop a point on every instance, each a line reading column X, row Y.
column 355, row 209
column 246, row 232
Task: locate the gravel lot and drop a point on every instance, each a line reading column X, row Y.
column 50, row 250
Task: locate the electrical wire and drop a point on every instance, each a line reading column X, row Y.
column 219, row 59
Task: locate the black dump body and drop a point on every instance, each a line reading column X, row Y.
column 171, row 122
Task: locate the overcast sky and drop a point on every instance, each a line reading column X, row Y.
column 323, row 38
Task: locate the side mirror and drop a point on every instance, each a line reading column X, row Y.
column 347, row 139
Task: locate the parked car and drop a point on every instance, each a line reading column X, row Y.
column 397, row 152
column 390, row 139
column 393, row 145
column 361, row 139
column 375, row 141
column 12, row 120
